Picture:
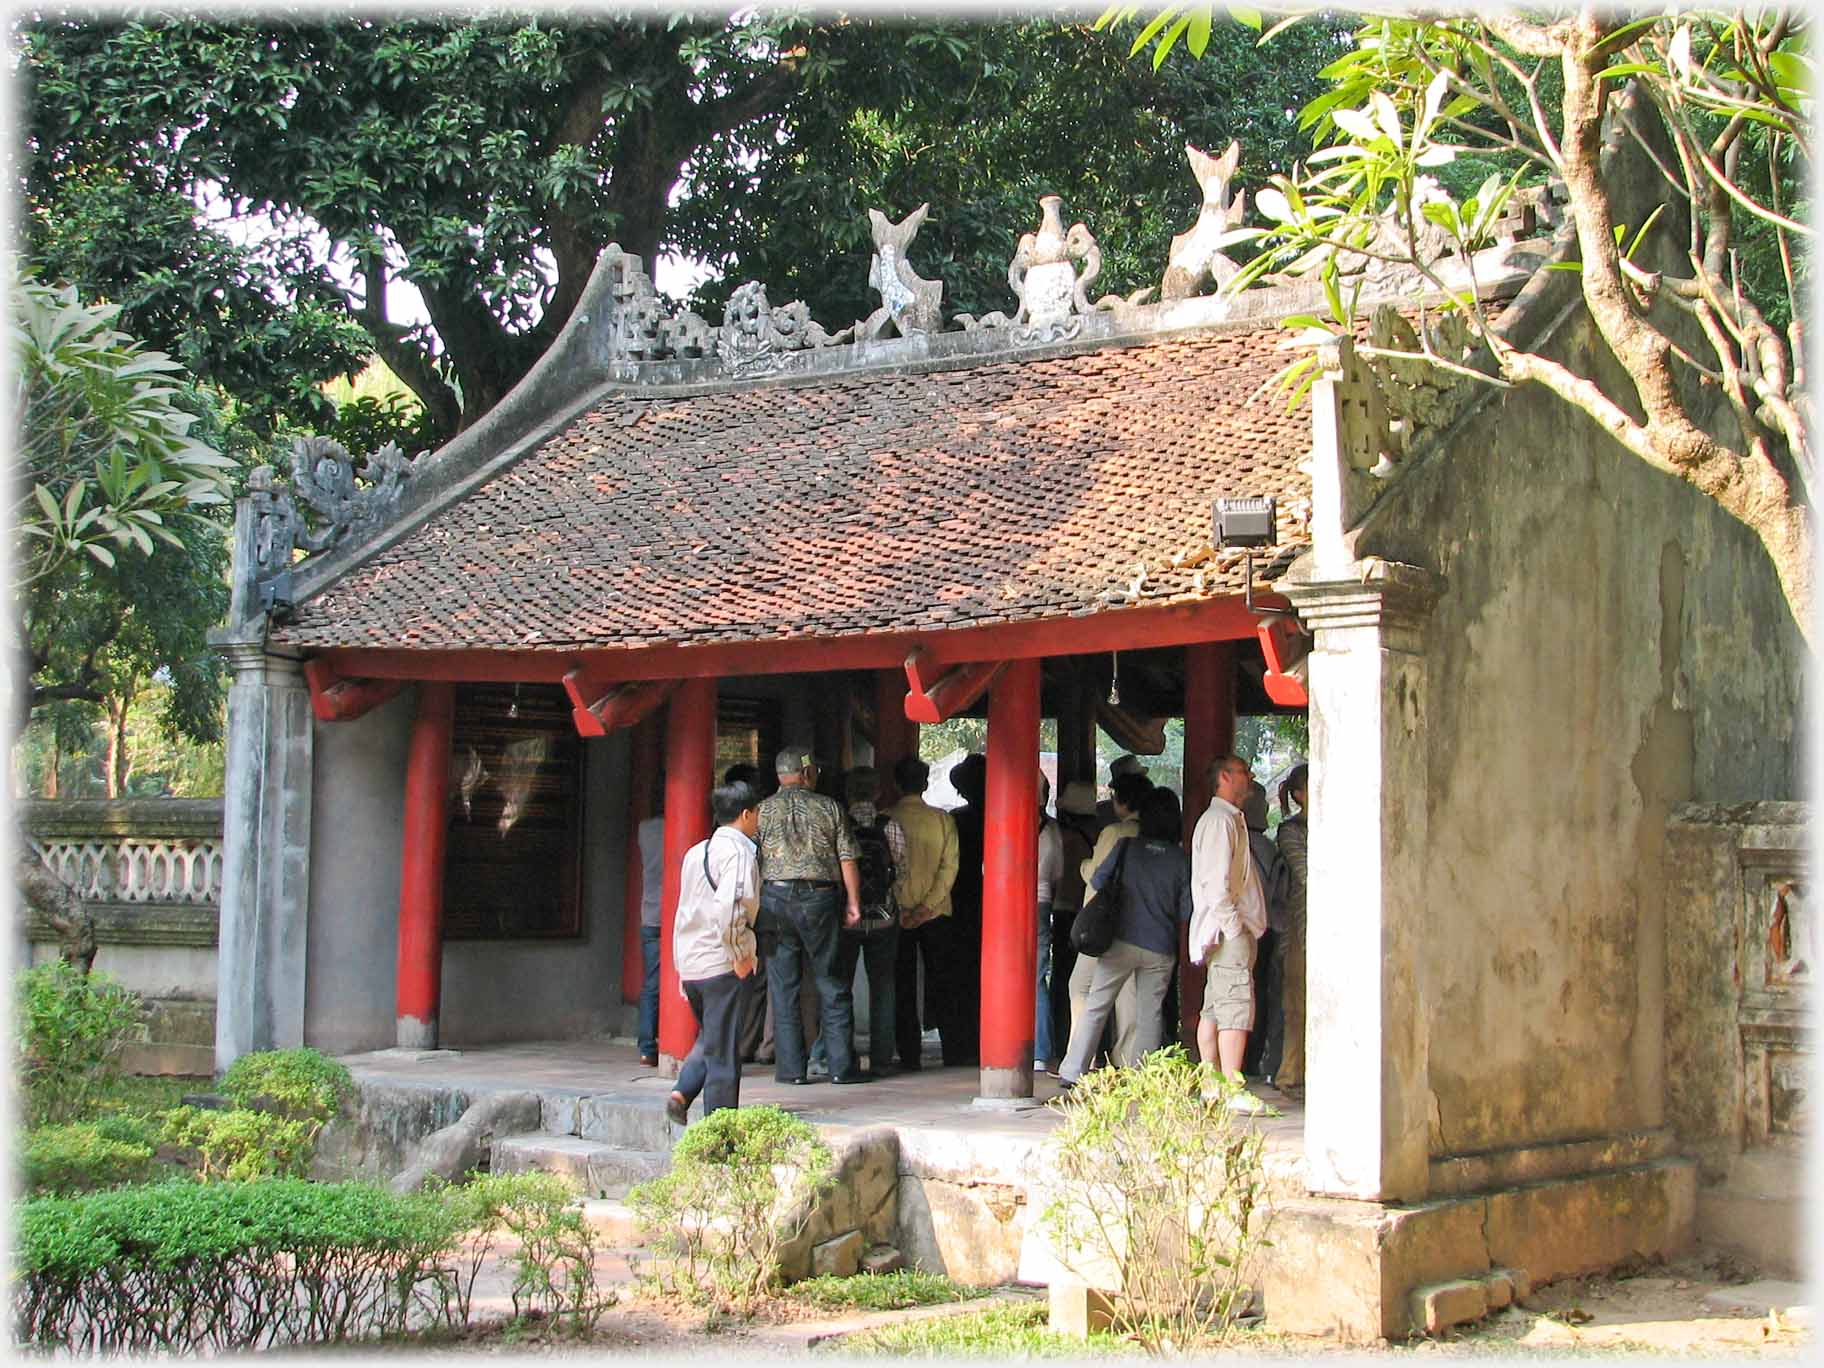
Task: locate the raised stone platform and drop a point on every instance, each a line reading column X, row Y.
column 961, row 1189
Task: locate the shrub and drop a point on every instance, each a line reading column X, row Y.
column 71, row 1030
column 84, row 1154
column 303, row 1084
column 238, row 1145
column 184, row 1267
column 553, row 1255
column 1165, row 1188
column 737, row 1192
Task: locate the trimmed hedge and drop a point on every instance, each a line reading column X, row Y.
column 84, row 1154
column 183, row 1267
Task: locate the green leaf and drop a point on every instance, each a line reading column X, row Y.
column 1641, row 234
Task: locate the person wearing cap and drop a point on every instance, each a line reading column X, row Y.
column 810, row 888
column 921, row 888
column 1105, row 810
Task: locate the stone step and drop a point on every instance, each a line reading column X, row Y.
column 630, row 1125
column 598, row 1170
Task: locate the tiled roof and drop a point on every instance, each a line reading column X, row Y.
column 1011, row 490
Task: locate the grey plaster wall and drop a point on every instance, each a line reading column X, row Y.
column 531, row 990
column 1609, row 644
column 357, row 825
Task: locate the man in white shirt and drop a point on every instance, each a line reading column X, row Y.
column 712, row 941
column 1225, row 922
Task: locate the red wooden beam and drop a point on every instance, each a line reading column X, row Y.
column 598, row 711
column 1284, row 646
column 1174, row 624
column 934, row 697
column 334, row 698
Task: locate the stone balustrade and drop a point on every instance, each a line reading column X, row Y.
column 150, row 869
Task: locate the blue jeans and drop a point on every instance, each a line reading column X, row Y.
column 1043, row 1046
column 797, row 929
column 880, row 950
column 649, row 990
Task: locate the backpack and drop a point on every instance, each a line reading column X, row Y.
column 875, row 865
column 1275, row 878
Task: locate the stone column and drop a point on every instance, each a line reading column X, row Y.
column 1010, row 883
column 1367, row 1108
column 265, row 855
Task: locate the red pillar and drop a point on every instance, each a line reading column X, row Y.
column 1209, row 731
column 1010, row 862
column 690, row 764
column 643, row 772
column 895, row 734
column 419, row 974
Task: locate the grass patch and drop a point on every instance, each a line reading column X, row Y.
column 998, row 1332
column 898, row 1291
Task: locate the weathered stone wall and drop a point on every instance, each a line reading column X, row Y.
column 1741, row 950
column 1608, row 644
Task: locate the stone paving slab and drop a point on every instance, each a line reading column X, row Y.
column 597, row 1169
column 1790, row 1299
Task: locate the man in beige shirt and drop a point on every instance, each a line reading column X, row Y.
column 922, row 890
column 1228, row 915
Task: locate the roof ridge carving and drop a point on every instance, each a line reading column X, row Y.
column 623, row 336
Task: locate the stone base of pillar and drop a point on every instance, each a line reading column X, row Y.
column 669, row 1065
column 1015, row 1083
column 413, row 1034
column 1349, row 1270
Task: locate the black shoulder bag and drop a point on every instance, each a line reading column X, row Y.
column 1094, row 929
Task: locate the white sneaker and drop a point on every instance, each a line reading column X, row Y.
column 1246, row 1103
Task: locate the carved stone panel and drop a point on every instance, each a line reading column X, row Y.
column 1777, row 937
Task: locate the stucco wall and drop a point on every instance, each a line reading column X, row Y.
column 1608, row 644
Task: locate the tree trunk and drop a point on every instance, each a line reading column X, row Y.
column 120, row 753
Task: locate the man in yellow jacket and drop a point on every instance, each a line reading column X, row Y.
column 921, row 887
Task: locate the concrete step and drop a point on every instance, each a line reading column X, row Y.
column 598, row 1170
column 607, row 1120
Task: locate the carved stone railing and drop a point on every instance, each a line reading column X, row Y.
column 150, row 869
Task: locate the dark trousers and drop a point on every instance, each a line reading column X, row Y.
column 649, row 990
column 879, row 950
column 956, row 989
column 713, row 1066
column 797, row 932
column 910, row 1012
